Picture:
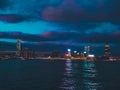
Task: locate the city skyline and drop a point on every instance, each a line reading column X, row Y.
column 61, row 24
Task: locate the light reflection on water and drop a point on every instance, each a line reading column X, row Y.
column 68, row 82
column 80, row 76
column 90, row 75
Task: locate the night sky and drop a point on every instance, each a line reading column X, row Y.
column 61, row 24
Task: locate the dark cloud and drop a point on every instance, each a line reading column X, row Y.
column 82, row 26
column 67, row 38
column 71, row 11
column 71, row 16
column 23, row 36
column 48, row 36
column 13, row 18
column 61, row 35
column 103, row 38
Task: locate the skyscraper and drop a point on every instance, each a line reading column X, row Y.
column 87, row 50
column 69, row 52
column 107, row 50
column 18, row 47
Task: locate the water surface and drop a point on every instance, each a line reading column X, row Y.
column 59, row 75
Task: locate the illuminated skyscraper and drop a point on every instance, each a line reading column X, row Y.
column 87, row 50
column 69, row 52
column 107, row 50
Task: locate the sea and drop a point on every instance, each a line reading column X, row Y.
column 59, row 75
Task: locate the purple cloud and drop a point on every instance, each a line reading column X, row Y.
column 12, row 18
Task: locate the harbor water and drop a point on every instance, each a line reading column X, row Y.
column 59, row 75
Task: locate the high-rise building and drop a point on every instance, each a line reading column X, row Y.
column 107, row 50
column 24, row 52
column 69, row 52
column 87, row 50
column 18, row 47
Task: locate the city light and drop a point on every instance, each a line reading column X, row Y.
column 67, row 55
column 85, row 52
column 25, row 53
column 69, row 50
column 91, row 55
column 75, row 51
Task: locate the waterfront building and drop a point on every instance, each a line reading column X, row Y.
column 24, row 53
column 18, row 47
column 87, row 50
column 107, row 50
column 55, row 54
column 27, row 54
column 69, row 52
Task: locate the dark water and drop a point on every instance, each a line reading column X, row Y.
column 59, row 75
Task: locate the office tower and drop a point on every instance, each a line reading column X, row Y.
column 18, row 47
column 107, row 50
column 69, row 52
column 86, row 50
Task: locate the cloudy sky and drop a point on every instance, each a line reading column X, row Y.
column 60, row 24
